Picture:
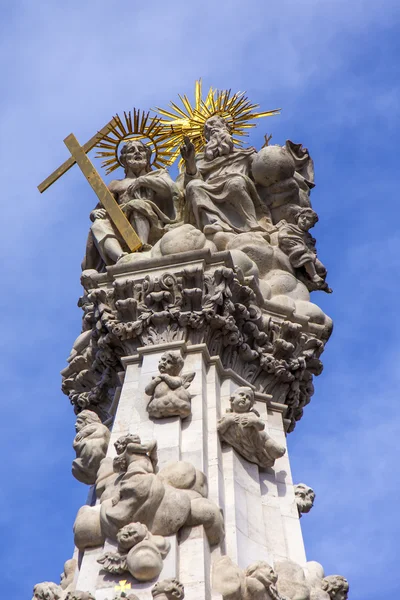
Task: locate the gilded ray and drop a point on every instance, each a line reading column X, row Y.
column 139, row 125
column 176, row 122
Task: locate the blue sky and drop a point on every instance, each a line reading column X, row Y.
column 332, row 65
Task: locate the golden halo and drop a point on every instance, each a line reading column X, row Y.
column 189, row 120
column 139, row 126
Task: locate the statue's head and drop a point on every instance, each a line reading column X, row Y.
column 130, row 535
column 135, row 157
column 305, row 497
column 336, row 586
column 242, row 400
column 304, row 217
column 86, row 417
column 47, row 590
column 171, row 363
column 168, row 589
column 214, row 125
column 219, row 139
column 263, row 572
column 122, row 443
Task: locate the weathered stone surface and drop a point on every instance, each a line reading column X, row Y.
column 148, row 198
column 164, row 502
column 139, row 552
column 68, row 575
column 210, row 303
column 168, row 390
column 243, row 429
column 47, row 590
column 305, row 497
column 286, row 581
column 90, row 444
column 258, row 581
column 168, row 589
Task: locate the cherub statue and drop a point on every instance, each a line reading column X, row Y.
column 299, row 245
column 139, row 552
column 90, row 444
column 305, row 497
column 336, row 586
column 243, row 429
column 168, row 391
column 174, row 497
column 168, row 589
column 257, row 582
column 47, row 590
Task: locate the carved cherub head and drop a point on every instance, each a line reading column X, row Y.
column 121, row 444
column 168, row 589
column 135, row 157
column 47, row 590
column 130, row 535
column 242, row 400
column 171, row 363
column 336, row 586
column 263, row 572
column 305, row 497
column 86, row 417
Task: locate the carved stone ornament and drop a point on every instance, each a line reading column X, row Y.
column 286, row 581
column 257, row 581
column 139, row 553
column 305, row 497
column 90, row 444
column 242, row 428
column 168, row 589
column 168, row 391
column 210, row 305
column 174, row 497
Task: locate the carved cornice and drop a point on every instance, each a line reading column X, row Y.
column 200, row 299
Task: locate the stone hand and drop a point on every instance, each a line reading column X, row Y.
column 139, row 182
column 188, row 155
column 98, row 213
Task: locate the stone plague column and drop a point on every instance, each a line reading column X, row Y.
column 195, row 361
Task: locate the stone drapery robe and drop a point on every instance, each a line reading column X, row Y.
column 222, row 192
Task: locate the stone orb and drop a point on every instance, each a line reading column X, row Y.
column 271, row 165
column 144, row 562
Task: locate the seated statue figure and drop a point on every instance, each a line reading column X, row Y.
column 146, row 196
column 298, row 244
column 90, row 445
column 243, row 429
column 164, row 501
column 220, row 191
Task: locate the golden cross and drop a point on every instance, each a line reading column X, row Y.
column 42, row 187
column 106, row 198
column 123, row 585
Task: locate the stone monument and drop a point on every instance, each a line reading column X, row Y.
column 196, row 359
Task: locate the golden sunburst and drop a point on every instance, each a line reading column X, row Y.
column 189, row 120
column 140, row 126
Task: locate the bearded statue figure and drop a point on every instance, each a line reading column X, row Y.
column 220, row 192
column 147, row 197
